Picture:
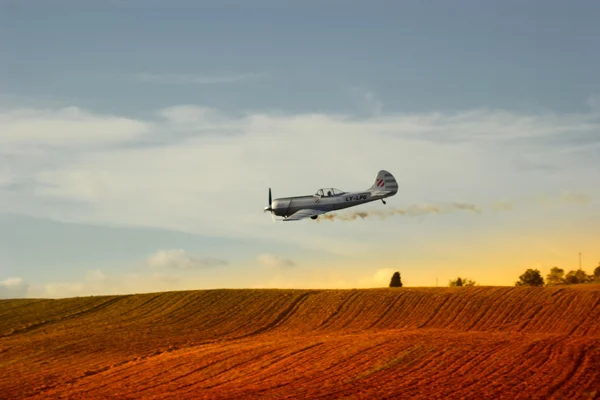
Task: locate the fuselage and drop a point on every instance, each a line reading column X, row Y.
column 286, row 206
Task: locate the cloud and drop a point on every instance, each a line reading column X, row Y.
column 178, row 259
column 350, row 275
column 96, row 282
column 367, row 101
column 199, row 120
column 593, row 103
column 213, row 178
column 13, row 288
column 196, row 79
column 274, row 261
column 68, row 127
column 5, row 178
column 543, row 201
column 95, row 276
column 383, row 276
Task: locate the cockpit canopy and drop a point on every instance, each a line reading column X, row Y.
column 328, row 192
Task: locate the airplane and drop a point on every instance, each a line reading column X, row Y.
column 330, row 199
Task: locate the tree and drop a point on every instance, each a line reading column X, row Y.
column 597, row 272
column 457, row 282
column 462, row 282
column 556, row 276
column 396, row 281
column 531, row 277
column 578, row 276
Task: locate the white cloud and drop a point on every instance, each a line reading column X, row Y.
column 367, row 101
column 65, row 127
column 178, row 259
column 199, row 120
column 13, row 288
column 5, row 178
column 274, row 261
column 98, row 283
column 322, row 276
column 217, row 184
column 166, row 275
column 95, row 276
column 383, row 276
column 594, row 103
column 196, row 79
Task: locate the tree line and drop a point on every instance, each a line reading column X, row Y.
column 557, row 276
column 531, row 277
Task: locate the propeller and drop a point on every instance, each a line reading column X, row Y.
column 269, row 207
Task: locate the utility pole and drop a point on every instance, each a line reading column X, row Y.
column 579, row 260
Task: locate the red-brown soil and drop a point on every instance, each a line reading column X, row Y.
column 427, row 343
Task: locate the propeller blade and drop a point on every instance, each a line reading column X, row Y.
column 269, row 208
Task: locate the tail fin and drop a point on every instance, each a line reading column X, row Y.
column 385, row 182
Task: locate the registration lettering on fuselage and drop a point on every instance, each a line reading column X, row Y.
column 357, row 197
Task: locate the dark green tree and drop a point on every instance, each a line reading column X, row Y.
column 577, row 276
column 597, row 272
column 556, row 276
column 531, row 277
column 396, row 281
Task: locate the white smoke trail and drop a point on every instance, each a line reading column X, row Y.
column 410, row 211
column 417, row 210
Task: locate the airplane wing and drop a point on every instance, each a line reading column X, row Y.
column 304, row 213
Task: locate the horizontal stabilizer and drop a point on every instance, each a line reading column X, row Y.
column 380, row 192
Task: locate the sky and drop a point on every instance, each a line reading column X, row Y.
column 138, row 141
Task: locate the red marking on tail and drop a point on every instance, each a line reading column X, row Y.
column 380, row 182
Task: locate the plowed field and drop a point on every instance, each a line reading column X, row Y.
column 427, row 343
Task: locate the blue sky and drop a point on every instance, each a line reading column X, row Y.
column 138, row 140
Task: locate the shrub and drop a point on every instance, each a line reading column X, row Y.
column 462, row 282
